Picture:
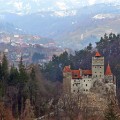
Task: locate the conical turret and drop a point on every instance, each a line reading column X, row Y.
column 108, row 70
column 97, row 54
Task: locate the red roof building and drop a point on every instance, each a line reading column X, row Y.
column 108, row 70
column 87, row 72
column 97, row 54
column 76, row 74
column 67, row 69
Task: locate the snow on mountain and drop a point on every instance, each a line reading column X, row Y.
column 32, row 6
column 62, row 5
column 65, row 13
column 104, row 16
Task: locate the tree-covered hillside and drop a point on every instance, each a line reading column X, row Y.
column 24, row 92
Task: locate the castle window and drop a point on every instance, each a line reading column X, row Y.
column 73, row 90
column 86, row 84
column 100, row 67
column 75, row 75
column 86, row 89
column 78, row 91
column 96, row 75
column 84, row 80
column 73, row 84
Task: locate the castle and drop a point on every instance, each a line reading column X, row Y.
column 76, row 81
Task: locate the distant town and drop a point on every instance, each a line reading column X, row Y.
column 29, row 47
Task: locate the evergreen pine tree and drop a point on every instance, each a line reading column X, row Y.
column 23, row 77
column 14, row 76
column 4, row 67
column 22, row 92
column 32, row 86
column 110, row 36
column 105, row 37
column 0, row 71
column 5, row 74
column 89, row 47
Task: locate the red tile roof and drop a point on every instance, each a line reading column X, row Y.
column 76, row 74
column 97, row 54
column 67, row 69
column 87, row 72
column 108, row 70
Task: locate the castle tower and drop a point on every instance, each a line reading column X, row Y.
column 108, row 75
column 98, row 66
column 67, row 76
column 110, row 78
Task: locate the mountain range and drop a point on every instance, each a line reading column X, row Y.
column 33, row 6
column 72, row 25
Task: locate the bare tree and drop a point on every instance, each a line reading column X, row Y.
column 28, row 113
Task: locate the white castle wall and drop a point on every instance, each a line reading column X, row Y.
column 76, row 85
column 81, row 85
column 87, row 83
